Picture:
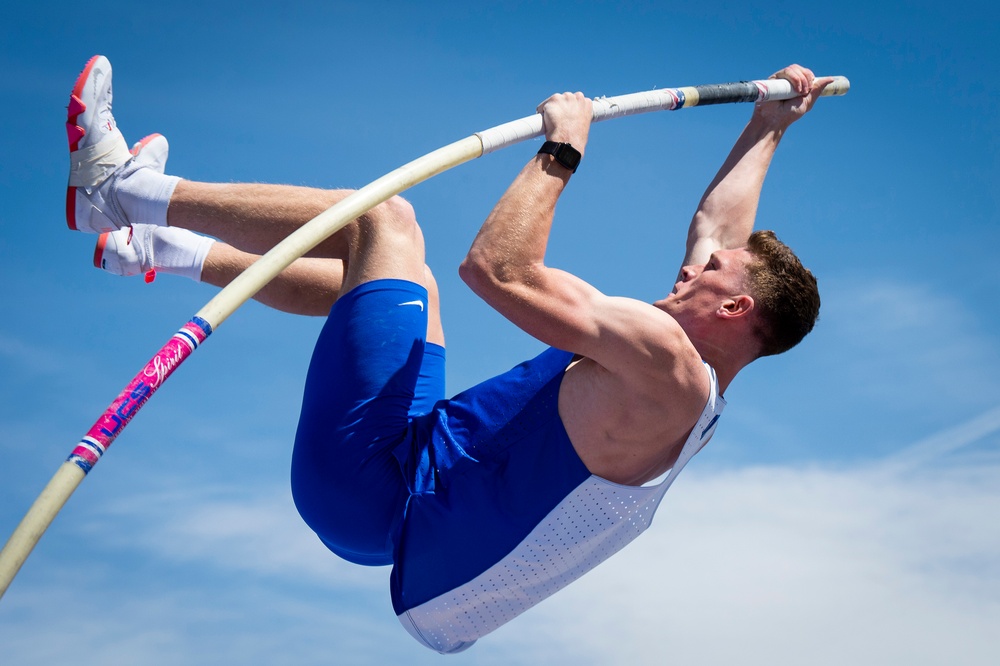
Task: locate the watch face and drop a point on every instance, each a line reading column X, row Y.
column 564, row 153
column 568, row 156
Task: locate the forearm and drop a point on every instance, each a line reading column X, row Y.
column 513, row 239
column 726, row 213
column 506, row 264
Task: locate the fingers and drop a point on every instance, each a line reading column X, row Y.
column 820, row 84
column 806, row 86
column 566, row 117
column 800, row 77
column 563, row 98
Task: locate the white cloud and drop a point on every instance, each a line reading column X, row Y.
column 255, row 531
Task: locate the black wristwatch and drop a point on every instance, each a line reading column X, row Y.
column 565, row 154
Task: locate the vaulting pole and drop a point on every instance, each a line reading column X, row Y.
column 93, row 445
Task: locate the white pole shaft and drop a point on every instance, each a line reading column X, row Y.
column 37, row 520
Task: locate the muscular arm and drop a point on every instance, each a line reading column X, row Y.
column 726, row 214
column 506, row 267
column 506, row 264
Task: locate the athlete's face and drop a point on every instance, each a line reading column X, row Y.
column 702, row 290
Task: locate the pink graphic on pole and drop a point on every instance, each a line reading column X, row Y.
column 143, row 385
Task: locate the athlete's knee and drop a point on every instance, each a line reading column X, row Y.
column 393, row 219
column 396, row 212
column 398, row 208
column 435, row 328
column 430, row 282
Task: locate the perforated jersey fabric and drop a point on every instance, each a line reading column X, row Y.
column 514, row 515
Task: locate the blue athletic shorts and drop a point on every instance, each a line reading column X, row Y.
column 371, row 371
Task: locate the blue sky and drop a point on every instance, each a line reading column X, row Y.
column 844, row 513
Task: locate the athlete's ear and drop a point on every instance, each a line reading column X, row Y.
column 735, row 307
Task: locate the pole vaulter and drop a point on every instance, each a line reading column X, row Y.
column 96, row 441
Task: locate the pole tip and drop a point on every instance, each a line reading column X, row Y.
column 839, row 86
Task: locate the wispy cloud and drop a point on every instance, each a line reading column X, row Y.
column 939, row 445
column 23, row 354
column 255, row 531
column 904, row 338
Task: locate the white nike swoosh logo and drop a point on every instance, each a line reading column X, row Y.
column 420, row 303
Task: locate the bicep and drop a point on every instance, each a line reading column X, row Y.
column 563, row 311
column 549, row 304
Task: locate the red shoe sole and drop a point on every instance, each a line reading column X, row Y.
column 74, row 133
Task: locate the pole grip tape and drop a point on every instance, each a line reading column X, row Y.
column 665, row 99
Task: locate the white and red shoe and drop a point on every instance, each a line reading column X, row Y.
column 151, row 151
column 129, row 251
column 97, row 149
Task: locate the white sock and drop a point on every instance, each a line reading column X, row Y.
column 144, row 195
column 179, row 251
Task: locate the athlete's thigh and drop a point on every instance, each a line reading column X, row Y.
column 355, row 411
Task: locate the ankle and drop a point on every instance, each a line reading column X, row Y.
column 180, row 252
column 144, row 196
